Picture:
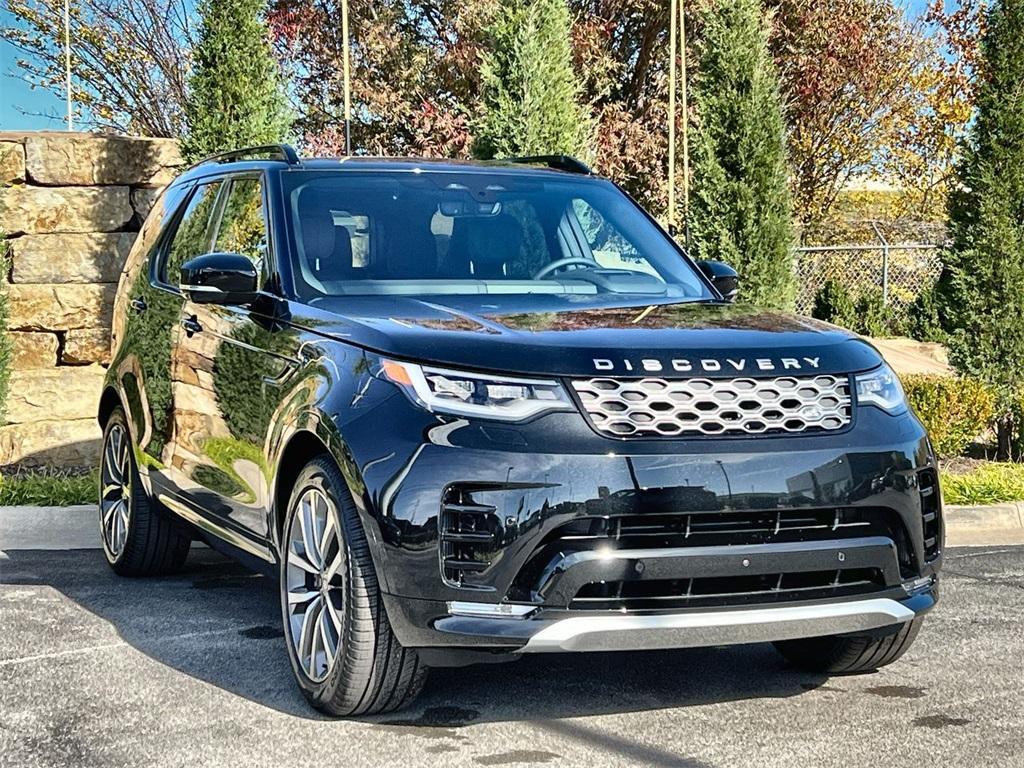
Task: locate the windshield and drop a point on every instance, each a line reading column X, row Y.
column 436, row 233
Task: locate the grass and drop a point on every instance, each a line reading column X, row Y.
column 988, row 483
column 49, row 487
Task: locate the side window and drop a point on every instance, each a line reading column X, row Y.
column 608, row 245
column 194, row 235
column 243, row 227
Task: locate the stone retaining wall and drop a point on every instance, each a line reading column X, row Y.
column 70, row 204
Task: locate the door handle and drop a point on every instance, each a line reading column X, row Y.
column 191, row 325
column 139, row 305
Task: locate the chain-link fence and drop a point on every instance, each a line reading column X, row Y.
column 897, row 272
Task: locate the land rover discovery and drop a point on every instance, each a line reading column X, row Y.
column 468, row 411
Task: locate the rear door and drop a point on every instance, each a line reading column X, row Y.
column 148, row 321
column 228, row 366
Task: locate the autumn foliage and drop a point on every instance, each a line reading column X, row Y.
column 867, row 90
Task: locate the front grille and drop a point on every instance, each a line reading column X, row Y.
column 655, row 407
column 929, row 489
column 713, row 529
column 732, row 590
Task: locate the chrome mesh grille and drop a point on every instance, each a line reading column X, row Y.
column 655, row 407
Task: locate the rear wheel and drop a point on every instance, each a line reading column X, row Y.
column 345, row 656
column 139, row 539
column 849, row 655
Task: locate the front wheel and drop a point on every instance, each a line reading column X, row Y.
column 851, row 654
column 345, row 656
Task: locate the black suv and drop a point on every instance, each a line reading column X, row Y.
column 468, row 411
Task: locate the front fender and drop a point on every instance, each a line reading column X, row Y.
column 329, row 398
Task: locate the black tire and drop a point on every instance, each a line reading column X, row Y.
column 372, row 672
column 154, row 544
column 850, row 654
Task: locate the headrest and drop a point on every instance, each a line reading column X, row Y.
column 318, row 234
column 490, row 243
column 328, row 247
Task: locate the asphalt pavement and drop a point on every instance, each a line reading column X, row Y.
column 96, row 670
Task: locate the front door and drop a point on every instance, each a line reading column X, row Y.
column 226, row 373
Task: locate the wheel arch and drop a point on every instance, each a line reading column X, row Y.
column 110, row 400
column 316, row 434
column 300, row 449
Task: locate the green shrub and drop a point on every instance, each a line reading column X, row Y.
column 988, row 484
column 863, row 313
column 923, row 320
column 954, row 410
column 834, row 304
column 1016, row 428
column 872, row 316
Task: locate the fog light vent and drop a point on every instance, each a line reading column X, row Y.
column 930, row 513
column 469, row 537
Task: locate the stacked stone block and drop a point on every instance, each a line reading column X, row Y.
column 71, row 204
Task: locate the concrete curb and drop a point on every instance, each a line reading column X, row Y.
column 1008, row 516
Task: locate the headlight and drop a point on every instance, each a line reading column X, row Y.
column 474, row 394
column 881, row 387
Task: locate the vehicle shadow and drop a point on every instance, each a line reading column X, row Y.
column 220, row 623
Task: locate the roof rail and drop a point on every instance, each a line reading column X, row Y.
column 283, row 152
column 558, row 162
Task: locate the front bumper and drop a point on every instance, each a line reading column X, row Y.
column 697, row 628
column 532, row 481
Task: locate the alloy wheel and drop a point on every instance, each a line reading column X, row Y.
column 314, row 596
column 115, row 491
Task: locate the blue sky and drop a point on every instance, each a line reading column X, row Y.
column 24, row 108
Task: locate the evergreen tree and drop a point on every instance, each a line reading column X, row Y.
column 235, row 95
column 530, row 99
column 981, row 293
column 740, row 210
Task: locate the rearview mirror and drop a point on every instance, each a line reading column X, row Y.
column 725, row 279
column 219, row 278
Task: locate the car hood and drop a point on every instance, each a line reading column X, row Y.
column 555, row 338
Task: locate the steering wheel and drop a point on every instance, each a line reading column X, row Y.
column 545, row 271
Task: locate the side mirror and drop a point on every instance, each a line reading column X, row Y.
column 725, row 279
column 219, row 278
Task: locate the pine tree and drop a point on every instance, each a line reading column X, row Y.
column 740, row 210
column 982, row 290
column 235, row 93
column 530, row 99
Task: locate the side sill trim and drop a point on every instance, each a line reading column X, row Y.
column 232, row 538
column 689, row 630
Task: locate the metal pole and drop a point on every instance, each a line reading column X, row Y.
column 686, row 111
column 348, row 89
column 885, row 263
column 67, row 59
column 672, row 116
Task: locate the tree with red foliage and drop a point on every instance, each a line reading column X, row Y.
column 846, row 69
